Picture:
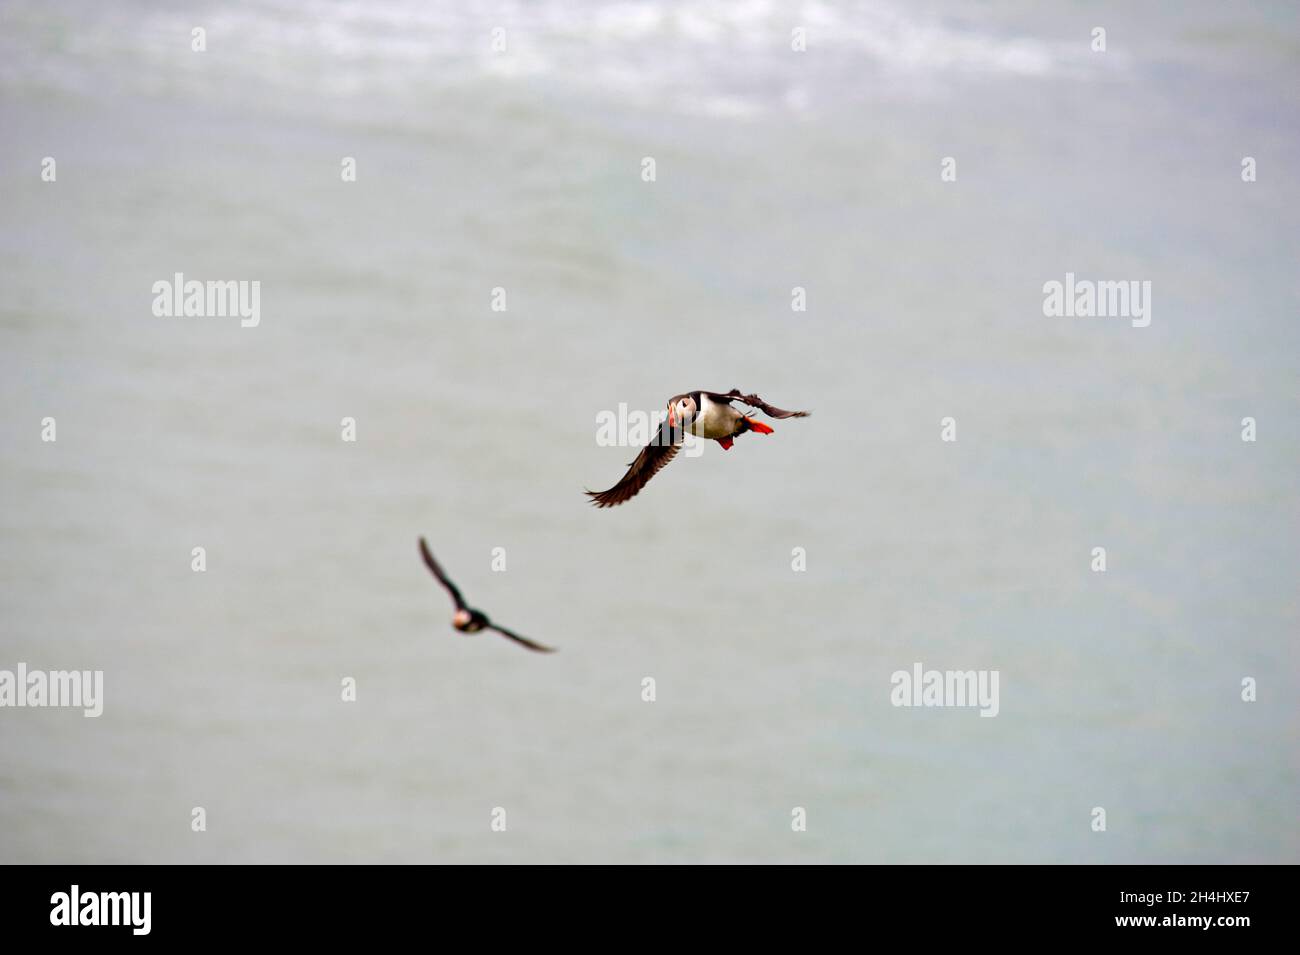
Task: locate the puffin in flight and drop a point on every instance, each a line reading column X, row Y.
column 467, row 619
column 705, row 414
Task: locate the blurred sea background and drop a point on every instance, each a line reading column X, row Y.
column 775, row 169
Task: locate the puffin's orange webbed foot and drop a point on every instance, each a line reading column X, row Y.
column 757, row 426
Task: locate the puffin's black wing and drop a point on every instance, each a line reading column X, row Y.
column 662, row 448
column 442, row 577
column 518, row 639
column 754, row 401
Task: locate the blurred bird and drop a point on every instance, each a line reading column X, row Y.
column 467, row 619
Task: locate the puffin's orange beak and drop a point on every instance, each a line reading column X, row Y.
column 672, row 418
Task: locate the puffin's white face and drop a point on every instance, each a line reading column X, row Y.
column 461, row 618
column 681, row 410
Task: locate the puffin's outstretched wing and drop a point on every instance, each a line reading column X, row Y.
column 654, row 456
column 518, row 639
column 442, row 577
column 754, row 401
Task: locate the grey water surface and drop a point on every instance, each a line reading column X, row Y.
column 774, row 169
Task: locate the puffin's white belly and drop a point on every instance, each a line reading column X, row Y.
column 715, row 420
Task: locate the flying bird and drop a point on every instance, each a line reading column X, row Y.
column 705, row 414
column 467, row 619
